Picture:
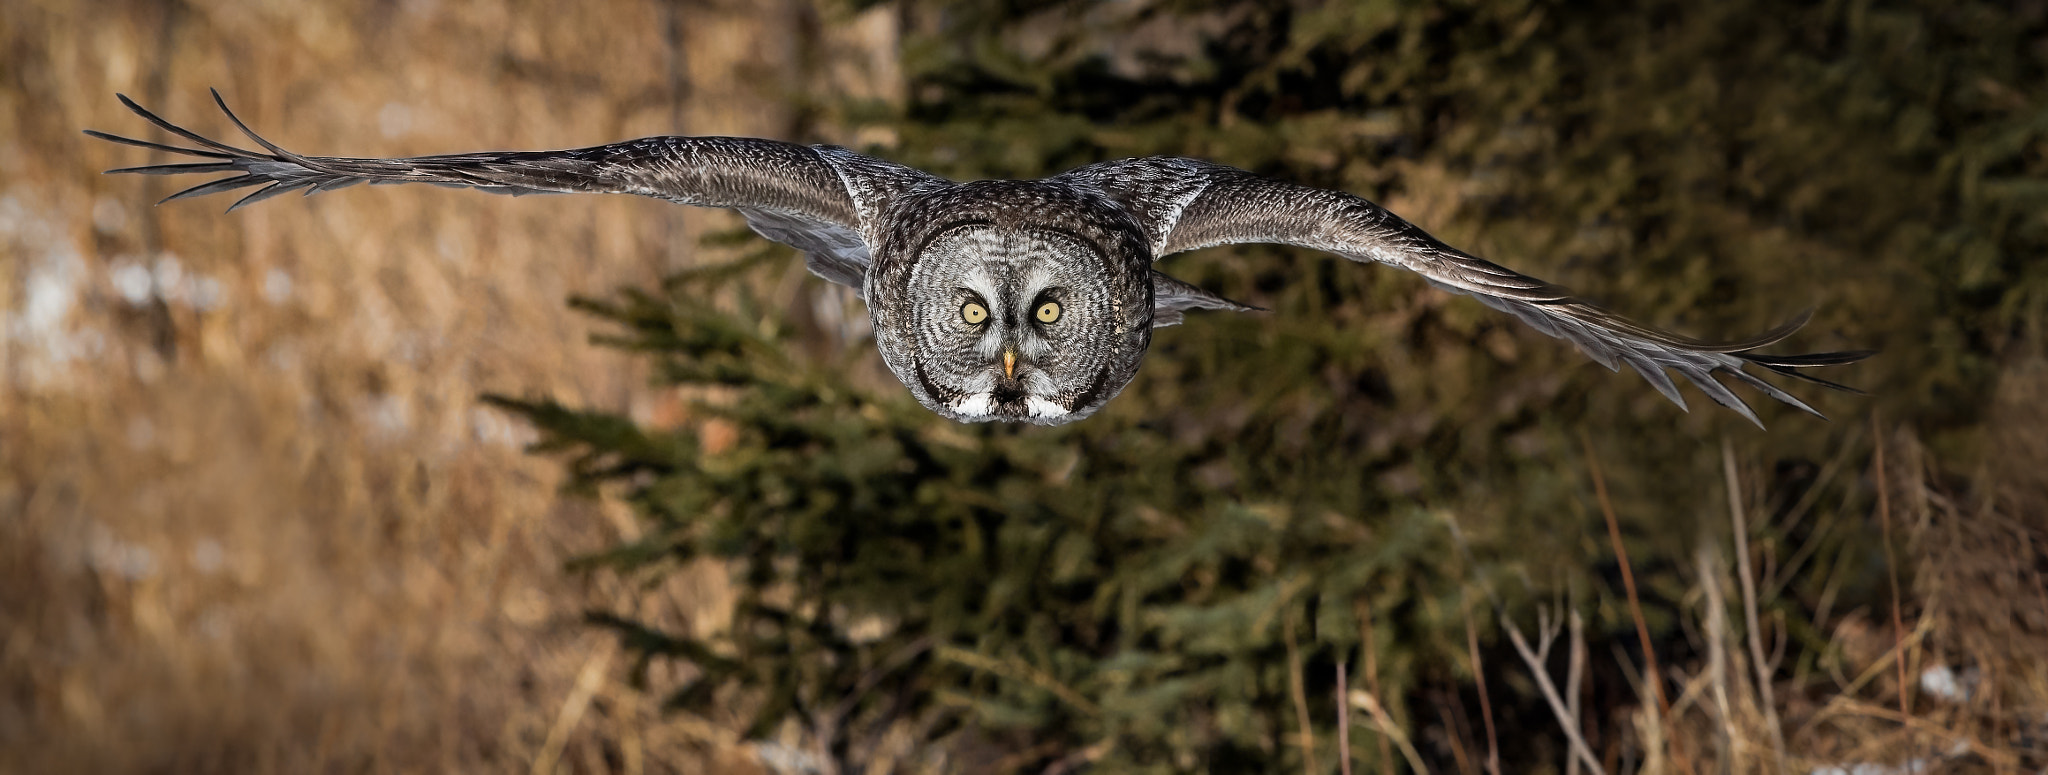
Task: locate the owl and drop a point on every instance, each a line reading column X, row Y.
column 1009, row 300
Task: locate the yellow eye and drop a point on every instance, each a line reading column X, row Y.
column 973, row 313
column 1048, row 312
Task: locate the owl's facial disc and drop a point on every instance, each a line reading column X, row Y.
column 1018, row 325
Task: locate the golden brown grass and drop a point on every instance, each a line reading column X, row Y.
column 1972, row 536
column 252, row 517
column 1976, row 616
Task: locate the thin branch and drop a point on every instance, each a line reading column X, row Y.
column 1575, row 673
column 1748, row 579
column 1081, row 758
column 1485, row 703
column 2000, row 758
column 1891, row 562
column 830, row 724
column 1565, row 718
column 1371, row 705
column 1455, row 731
column 1709, row 564
column 1297, row 685
column 1775, row 583
column 1362, row 607
column 1018, row 671
column 1652, row 677
column 1557, row 706
column 588, row 681
column 1870, row 673
column 1343, row 722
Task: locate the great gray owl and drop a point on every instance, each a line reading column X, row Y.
column 1015, row 300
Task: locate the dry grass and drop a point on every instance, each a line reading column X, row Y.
column 252, row 517
column 1977, row 616
column 1959, row 685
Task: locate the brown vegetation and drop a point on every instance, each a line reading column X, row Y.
column 252, row 516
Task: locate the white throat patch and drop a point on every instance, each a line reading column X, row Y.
column 973, row 405
column 1043, row 408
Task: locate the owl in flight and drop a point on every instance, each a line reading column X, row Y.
column 1014, row 300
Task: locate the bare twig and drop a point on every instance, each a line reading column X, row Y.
column 1651, row 676
column 1081, row 758
column 1557, row 706
column 1343, row 722
column 1691, row 690
column 1018, row 671
column 1565, row 717
column 1709, row 567
column 1485, row 703
column 1388, row 731
column 1773, row 587
column 1363, row 609
column 1298, row 686
column 1843, row 705
column 829, row 724
column 1804, row 506
column 1575, row 673
column 895, row 661
column 1748, row 579
column 1455, row 732
column 1774, row 583
column 588, row 681
column 1891, row 562
column 1870, row 673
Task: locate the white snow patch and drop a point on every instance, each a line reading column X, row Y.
column 205, row 294
column 207, row 556
column 109, row 554
column 493, row 427
column 277, row 286
column 130, row 279
column 39, row 326
column 169, row 274
column 1947, row 684
column 52, row 289
column 394, row 119
column 109, row 216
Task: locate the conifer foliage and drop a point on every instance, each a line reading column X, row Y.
column 1169, row 585
column 1050, row 589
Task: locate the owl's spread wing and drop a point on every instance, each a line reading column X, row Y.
column 1186, row 204
column 815, row 198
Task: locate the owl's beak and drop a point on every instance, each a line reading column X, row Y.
column 1009, row 364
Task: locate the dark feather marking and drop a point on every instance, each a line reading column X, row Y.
column 215, row 186
column 261, row 194
column 267, row 145
column 177, row 169
column 153, row 146
column 182, row 132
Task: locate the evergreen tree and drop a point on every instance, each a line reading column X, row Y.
column 1150, row 589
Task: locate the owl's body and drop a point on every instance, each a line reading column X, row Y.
column 1026, row 301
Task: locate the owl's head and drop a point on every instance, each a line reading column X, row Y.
column 1018, row 304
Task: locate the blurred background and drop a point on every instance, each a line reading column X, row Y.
column 255, row 516
column 256, row 513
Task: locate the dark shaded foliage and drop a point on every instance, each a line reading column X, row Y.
column 1138, row 577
